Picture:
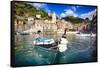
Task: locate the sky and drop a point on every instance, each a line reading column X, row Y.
column 63, row 10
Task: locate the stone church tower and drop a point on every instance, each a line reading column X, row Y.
column 53, row 18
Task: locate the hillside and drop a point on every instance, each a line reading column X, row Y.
column 23, row 9
column 75, row 20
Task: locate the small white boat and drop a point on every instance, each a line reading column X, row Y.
column 43, row 41
column 85, row 35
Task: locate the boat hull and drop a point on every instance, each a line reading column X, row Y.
column 86, row 35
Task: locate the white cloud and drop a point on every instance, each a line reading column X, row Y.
column 74, row 8
column 68, row 12
column 88, row 14
column 41, row 6
column 38, row 5
column 63, row 14
column 47, row 9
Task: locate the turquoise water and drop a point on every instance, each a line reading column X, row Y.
column 79, row 50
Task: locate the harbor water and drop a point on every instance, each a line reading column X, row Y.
column 79, row 50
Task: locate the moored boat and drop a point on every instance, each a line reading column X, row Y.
column 86, row 35
column 43, row 41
